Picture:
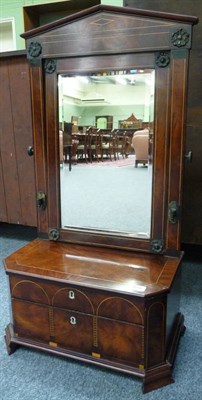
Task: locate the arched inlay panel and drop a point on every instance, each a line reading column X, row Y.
column 120, row 309
column 72, row 299
column 31, row 291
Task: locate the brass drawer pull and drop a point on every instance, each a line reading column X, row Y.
column 72, row 320
column 71, row 295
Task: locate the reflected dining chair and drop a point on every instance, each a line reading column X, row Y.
column 108, row 148
column 94, row 144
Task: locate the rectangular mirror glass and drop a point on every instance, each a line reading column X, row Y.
column 106, row 125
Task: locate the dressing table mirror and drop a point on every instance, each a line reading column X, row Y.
column 102, row 198
column 102, row 281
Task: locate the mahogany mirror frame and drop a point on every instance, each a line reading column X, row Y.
column 153, row 50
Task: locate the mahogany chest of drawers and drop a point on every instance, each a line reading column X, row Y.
column 67, row 302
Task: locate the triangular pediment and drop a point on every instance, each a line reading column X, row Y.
column 103, row 29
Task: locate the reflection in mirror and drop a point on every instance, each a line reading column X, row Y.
column 106, row 143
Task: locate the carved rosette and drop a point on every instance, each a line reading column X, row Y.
column 53, row 234
column 157, row 246
column 163, row 59
column 180, row 38
column 50, row 66
column 34, row 49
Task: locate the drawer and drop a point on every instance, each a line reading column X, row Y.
column 73, row 330
column 31, row 320
column 76, row 331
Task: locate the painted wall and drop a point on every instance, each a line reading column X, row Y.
column 14, row 8
column 135, row 99
column 86, row 115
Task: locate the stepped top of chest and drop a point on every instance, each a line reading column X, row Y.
column 101, row 268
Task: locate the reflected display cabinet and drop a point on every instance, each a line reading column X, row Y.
column 101, row 283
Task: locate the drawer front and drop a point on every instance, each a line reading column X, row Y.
column 113, row 340
column 31, row 320
column 73, row 330
column 121, row 342
column 84, row 300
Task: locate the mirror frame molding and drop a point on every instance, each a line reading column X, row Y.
column 164, row 46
